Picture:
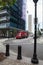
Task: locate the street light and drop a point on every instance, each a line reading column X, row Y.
column 34, row 59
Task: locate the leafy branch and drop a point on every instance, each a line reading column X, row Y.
column 6, row 2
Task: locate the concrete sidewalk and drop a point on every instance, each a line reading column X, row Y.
column 12, row 59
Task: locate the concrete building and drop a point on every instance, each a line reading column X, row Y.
column 30, row 23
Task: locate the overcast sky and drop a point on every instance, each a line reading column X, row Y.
column 30, row 8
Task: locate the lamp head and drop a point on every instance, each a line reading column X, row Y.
column 35, row 1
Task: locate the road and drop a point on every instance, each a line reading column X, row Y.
column 27, row 46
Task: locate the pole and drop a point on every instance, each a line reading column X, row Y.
column 34, row 59
column 35, row 39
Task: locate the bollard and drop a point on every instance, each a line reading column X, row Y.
column 19, row 57
column 7, row 50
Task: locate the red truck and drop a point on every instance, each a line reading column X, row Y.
column 22, row 34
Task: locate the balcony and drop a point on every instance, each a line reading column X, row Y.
column 3, row 11
column 4, row 18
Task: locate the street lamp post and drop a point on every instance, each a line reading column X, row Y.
column 34, row 59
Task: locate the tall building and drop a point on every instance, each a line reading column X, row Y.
column 42, row 13
column 19, row 2
column 24, row 12
column 10, row 19
column 30, row 23
column 24, row 9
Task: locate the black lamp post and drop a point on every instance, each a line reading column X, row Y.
column 34, row 59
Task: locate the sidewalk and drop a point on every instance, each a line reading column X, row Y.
column 12, row 59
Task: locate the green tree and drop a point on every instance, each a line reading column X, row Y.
column 6, row 2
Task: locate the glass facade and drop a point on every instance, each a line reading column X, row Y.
column 13, row 16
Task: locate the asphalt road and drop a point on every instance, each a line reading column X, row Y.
column 27, row 50
column 27, row 47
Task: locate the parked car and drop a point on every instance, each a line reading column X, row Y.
column 22, row 34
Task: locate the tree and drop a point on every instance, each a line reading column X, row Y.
column 6, row 2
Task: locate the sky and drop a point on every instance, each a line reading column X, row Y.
column 30, row 9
